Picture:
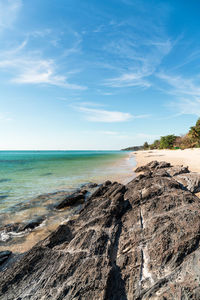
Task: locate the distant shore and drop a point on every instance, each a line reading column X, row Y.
column 187, row 157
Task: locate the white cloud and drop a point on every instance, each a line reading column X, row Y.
column 101, row 115
column 9, row 10
column 187, row 92
column 180, row 85
column 137, row 51
column 32, row 69
column 95, row 114
column 128, row 80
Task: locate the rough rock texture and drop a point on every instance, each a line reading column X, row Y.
column 139, row 241
column 188, row 180
column 4, row 255
column 73, row 199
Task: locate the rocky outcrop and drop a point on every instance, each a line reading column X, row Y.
column 188, row 180
column 10, row 230
column 71, row 200
column 139, row 241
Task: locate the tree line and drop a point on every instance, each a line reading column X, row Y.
column 189, row 140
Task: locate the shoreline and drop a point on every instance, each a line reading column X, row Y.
column 187, row 157
column 39, row 206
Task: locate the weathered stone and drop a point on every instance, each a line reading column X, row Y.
column 191, row 181
column 73, row 199
column 139, row 241
column 173, row 171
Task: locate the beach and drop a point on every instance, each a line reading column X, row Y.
column 187, row 157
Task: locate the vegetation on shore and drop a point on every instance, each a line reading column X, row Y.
column 189, row 140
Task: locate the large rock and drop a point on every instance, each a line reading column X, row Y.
column 139, row 241
column 188, row 180
column 191, row 181
column 71, row 200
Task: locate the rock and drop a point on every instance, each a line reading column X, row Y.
column 30, row 225
column 73, row 199
column 139, row 241
column 4, row 255
column 190, row 181
column 9, row 231
column 173, row 171
column 89, row 185
column 152, row 166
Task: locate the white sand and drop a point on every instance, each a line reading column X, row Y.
column 187, row 157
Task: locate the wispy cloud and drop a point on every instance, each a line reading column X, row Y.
column 30, row 68
column 128, row 80
column 105, row 116
column 9, row 10
column 94, row 114
column 186, row 91
column 137, row 48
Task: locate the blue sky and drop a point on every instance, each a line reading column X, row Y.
column 97, row 74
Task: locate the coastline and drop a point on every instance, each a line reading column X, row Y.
column 187, row 157
column 42, row 206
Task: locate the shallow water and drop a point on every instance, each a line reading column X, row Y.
column 26, row 174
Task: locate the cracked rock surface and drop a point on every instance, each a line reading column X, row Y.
column 139, row 241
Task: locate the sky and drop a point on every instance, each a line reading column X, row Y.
column 96, row 74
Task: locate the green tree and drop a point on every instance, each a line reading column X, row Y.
column 156, row 144
column 167, row 142
column 146, row 146
column 194, row 133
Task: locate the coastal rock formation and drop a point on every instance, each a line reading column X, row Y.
column 10, row 230
column 139, row 241
column 73, row 199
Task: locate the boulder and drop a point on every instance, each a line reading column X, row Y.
column 71, row 200
column 191, row 181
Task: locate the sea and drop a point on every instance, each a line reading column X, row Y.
column 24, row 175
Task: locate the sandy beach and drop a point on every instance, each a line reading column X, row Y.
column 187, row 157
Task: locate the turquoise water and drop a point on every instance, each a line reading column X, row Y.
column 25, row 174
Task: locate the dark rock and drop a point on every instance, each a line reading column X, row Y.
column 139, row 241
column 10, row 229
column 73, row 199
column 173, row 171
column 30, row 225
column 4, row 255
column 162, row 164
column 191, row 181
column 152, row 166
column 89, row 185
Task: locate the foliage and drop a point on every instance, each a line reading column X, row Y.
column 167, row 142
column 189, row 140
column 194, row 133
column 146, row 146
